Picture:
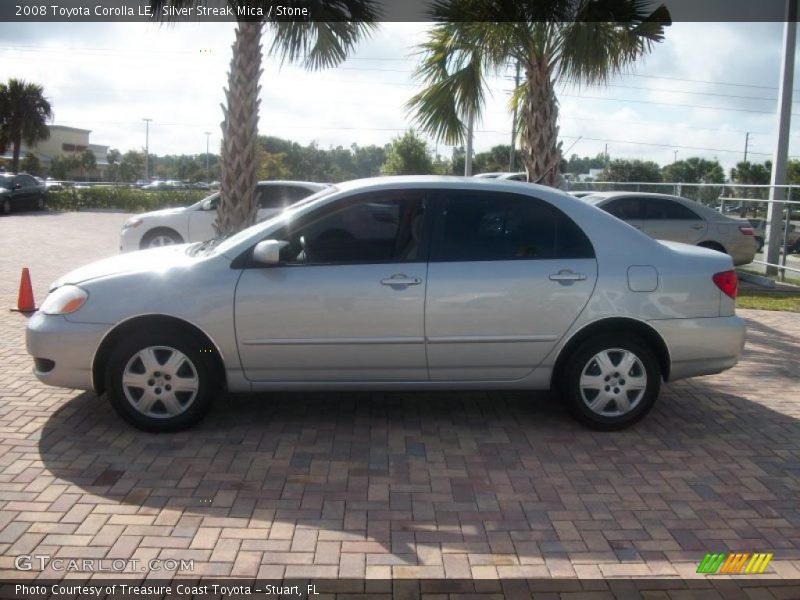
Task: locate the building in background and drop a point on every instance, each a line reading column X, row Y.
column 66, row 141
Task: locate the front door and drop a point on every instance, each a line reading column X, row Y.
column 508, row 276
column 346, row 302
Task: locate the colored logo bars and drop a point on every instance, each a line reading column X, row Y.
column 733, row 564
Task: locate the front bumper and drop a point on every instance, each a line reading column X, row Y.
column 70, row 346
column 701, row 346
column 130, row 239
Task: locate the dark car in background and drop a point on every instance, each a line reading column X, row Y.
column 20, row 191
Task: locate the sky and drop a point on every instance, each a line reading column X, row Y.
column 696, row 94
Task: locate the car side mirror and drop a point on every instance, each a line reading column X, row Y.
column 268, row 252
column 16, row 186
column 206, row 204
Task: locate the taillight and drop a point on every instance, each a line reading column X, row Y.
column 728, row 282
column 746, row 229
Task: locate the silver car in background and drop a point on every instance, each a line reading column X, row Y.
column 393, row 284
column 676, row 219
column 195, row 223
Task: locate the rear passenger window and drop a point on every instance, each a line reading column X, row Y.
column 663, row 209
column 481, row 226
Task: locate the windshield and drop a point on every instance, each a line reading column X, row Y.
column 222, row 245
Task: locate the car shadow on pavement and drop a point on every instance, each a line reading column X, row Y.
column 494, row 474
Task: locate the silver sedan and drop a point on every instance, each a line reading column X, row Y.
column 677, row 219
column 393, row 284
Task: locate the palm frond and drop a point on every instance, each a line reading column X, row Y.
column 605, row 37
column 454, row 60
column 327, row 35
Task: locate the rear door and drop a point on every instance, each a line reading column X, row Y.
column 666, row 219
column 508, row 276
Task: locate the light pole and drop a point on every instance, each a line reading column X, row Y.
column 675, row 152
column 208, row 176
column 147, row 149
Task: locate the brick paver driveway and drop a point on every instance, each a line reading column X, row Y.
column 406, row 485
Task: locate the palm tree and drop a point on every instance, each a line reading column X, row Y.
column 570, row 41
column 321, row 39
column 24, row 112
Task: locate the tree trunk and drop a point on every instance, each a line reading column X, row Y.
column 237, row 207
column 541, row 150
column 17, row 142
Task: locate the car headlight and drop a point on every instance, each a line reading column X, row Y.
column 132, row 222
column 64, row 300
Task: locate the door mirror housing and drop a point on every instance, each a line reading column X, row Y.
column 208, row 204
column 268, row 252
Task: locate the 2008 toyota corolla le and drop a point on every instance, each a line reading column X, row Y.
column 397, row 283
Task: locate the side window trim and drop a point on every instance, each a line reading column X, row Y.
column 244, row 260
column 439, row 203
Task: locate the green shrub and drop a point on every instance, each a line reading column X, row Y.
column 125, row 199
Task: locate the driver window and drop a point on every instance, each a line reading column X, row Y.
column 376, row 228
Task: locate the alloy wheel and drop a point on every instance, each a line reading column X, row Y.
column 160, row 240
column 160, row 382
column 613, row 382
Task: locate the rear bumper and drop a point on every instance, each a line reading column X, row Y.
column 63, row 350
column 701, row 346
column 743, row 251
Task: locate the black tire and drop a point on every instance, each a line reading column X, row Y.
column 123, row 357
column 40, row 202
column 158, row 233
column 582, row 361
column 6, row 207
column 759, row 243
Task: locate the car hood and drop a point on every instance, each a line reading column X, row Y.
column 163, row 212
column 155, row 260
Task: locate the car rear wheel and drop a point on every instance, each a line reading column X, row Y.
column 161, row 237
column 6, row 206
column 160, row 382
column 611, row 382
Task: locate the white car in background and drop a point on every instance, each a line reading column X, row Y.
column 195, row 223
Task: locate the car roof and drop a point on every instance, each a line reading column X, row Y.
column 292, row 182
column 456, row 182
column 704, row 210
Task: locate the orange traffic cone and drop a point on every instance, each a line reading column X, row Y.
column 25, row 302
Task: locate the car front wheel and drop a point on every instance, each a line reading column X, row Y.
column 160, row 382
column 6, row 206
column 161, row 237
column 611, row 382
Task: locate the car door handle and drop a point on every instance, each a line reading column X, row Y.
column 698, row 226
column 567, row 275
column 401, row 279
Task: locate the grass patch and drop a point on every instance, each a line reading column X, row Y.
column 768, row 302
